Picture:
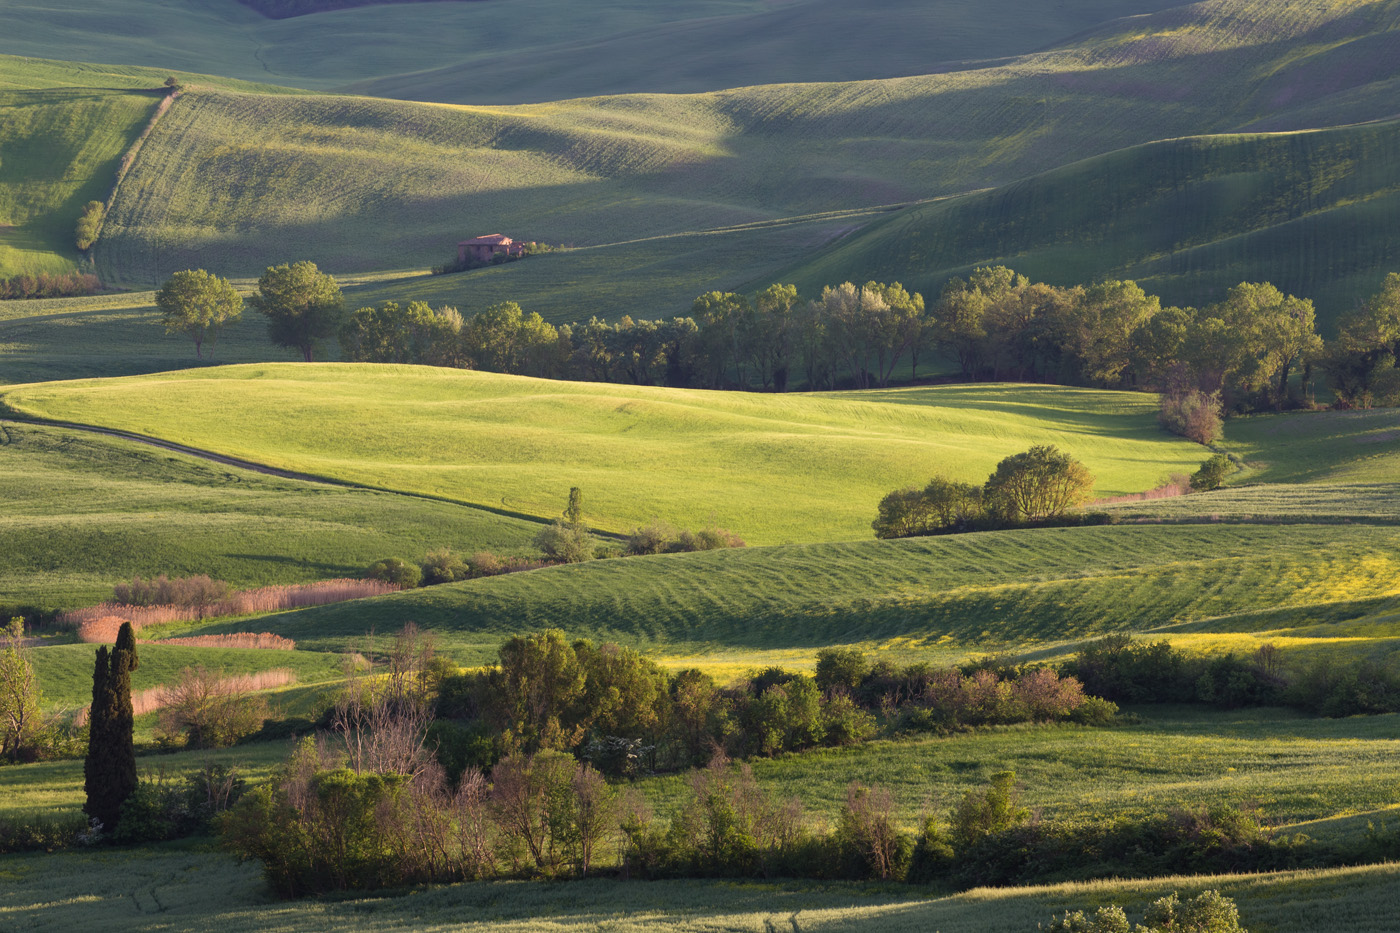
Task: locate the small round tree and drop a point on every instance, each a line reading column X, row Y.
column 198, row 303
column 1038, row 484
column 1211, row 474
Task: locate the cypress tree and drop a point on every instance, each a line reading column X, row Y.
column 109, row 772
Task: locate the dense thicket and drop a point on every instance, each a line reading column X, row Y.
column 49, row 285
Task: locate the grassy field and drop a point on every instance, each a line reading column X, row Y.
column 85, row 512
column 771, row 468
column 1186, row 218
column 1309, row 589
column 65, row 671
column 531, row 50
column 61, row 148
column 244, row 180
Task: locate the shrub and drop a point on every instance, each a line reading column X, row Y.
column 1211, row 474
column 566, row 543
column 1207, row 912
column 209, row 711
column 89, row 225
column 840, row 669
column 986, row 812
column 395, row 571
column 654, row 538
column 442, row 566
column 1040, row 483
column 870, row 844
column 1193, row 414
column 161, row 809
column 163, row 591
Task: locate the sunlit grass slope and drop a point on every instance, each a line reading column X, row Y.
column 59, row 149
column 526, row 50
column 1217, row 587
column 65, row 671
column 179, row 888
column 83, row 512
column 1187, row 218
column 242, row 181
column 772, row 468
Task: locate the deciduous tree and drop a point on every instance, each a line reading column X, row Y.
column 1040, row 483
column 303, row 305
column 196, row 303
column 19, row 693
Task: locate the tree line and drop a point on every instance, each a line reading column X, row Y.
column 1255, row 348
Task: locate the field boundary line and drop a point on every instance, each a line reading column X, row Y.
column 239, row 463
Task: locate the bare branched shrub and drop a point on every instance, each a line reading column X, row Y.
column 868, row 834
column 382, row 715
column 210, row 711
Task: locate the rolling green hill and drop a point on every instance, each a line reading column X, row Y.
column 84, row 512
column 772, row 468
column 239, row 181
column 1187, row 218
column 532, row 50
column 60, row 149
column 1212, row 587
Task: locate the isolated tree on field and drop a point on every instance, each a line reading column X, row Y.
column 1040, row 483
column 19, row 693
column 197, row 303
column 303, row 305
column 109, row 771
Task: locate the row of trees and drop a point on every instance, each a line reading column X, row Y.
column 1242, row 351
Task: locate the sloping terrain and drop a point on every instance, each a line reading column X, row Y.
column 772, row 468
column 83, row 512
column 1310, row 212
column 512, row 51
column 238, row 181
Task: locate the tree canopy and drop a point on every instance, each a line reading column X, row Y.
column 197, row 303
column 303, row 305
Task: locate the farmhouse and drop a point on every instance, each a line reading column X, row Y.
column 485, row 248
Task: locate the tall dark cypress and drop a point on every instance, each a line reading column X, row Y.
column 109, row 772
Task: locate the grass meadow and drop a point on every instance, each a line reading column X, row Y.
column 62, row 147
column 1307, row 588
column 85, row 512
column 189, row 887
column 242, row 181
column 1186, row 218
column 771, row 468
column 536, row 50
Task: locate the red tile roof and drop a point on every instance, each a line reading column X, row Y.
column 491, row 239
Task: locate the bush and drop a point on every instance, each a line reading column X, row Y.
column 442, row 566
column 207, row 711
column 987, row 812
column 89, row 225
column 1193, row 414
column 840, row 669
column 566, row 543
column 1207, row 912
column 1211, row 474
column 870, row 844
column 161, row 809
column 395, row 571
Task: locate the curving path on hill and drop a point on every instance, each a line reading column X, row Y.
column 238, row 463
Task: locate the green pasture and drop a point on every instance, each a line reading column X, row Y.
column 59, row 149
column 1186, row 218
column 771, row 468
column 191, row 888
column 236, row 181
column 1306, row 588
column 84, row 512
column 531, row 50
column 65, row 671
